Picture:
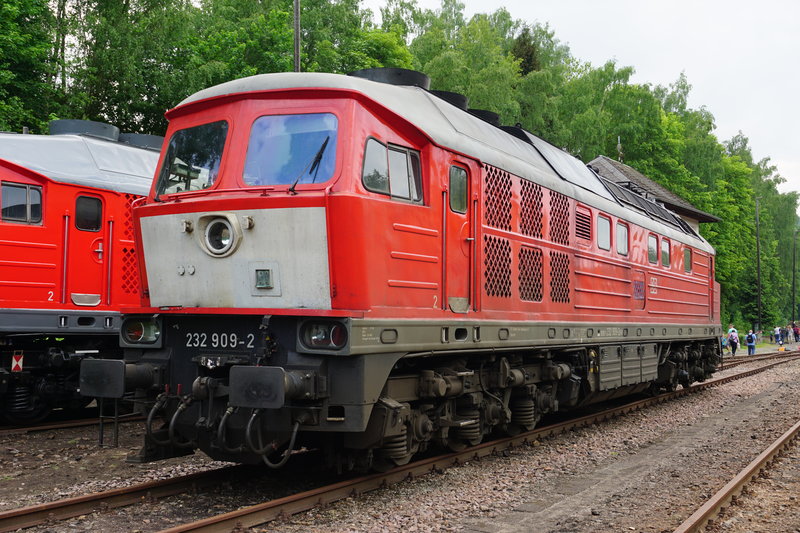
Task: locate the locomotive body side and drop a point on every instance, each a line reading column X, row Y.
column 360, row 268
column 68, row 265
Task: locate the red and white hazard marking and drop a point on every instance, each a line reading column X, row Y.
column 16, row 363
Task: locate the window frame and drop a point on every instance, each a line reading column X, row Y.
column 416, row 193
column 666, row 255
column 99, row 202
column 29, row 219
column 465, row 175
column 162, row 182
column 687, row 259
column 626, row 240
column 604, row 231
column 652, row 251
column 330, row 151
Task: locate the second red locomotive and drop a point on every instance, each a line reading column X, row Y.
column 67, row 258
column 369, row 269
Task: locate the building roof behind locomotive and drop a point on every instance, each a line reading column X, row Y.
column 455, row 129
column 83, row 160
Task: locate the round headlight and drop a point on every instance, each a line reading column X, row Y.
column 136, row 331
column 219, row 236
column 325, row 335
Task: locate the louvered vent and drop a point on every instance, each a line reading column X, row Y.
column 531, row 209
column 559, row 277
column 497, row 266
column 583, row 225
column 531, row 286
column 559, row 218
column 498, row 198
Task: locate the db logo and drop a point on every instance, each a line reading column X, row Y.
column 16, row 363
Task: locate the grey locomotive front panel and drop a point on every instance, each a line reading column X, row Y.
column 269, row 258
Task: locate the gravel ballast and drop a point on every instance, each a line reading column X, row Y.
column 646, row 471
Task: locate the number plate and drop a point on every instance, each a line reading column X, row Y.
column 220, row 340
column 216, row 336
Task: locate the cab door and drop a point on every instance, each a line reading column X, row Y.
column 458, row 240
column 86, row 252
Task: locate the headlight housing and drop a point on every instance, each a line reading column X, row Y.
column 324, row 335
column 139, row 330
column 219, row 236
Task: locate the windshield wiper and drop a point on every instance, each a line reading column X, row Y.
column 314, row 164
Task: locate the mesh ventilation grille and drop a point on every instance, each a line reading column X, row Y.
column 127, row 223
column 130, row 272
column 531, row 286
column 497, row 263
column 559, row 277
column 498, row 198
column 531, row 209
column 559, row 218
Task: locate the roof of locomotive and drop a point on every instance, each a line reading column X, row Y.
column 83, row 160
column 458, row 130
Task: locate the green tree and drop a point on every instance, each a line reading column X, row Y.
column 24, row 68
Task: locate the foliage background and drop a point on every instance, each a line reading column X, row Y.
column 127, row 61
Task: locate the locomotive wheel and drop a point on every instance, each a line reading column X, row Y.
column 78, row 404
column 456, row 444
column 384, row 464
column 21, row 418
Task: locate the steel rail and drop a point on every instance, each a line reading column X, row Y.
column 304, row 501
column 731, row 362
column 18, row 430
column 34, row 515
column 712, row 508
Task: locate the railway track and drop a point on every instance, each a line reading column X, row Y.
column 719, row 501
column 730, row 362
column 68, row 424
column 303, row 501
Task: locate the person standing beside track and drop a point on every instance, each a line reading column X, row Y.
column 750, row 339
column 733, row 339
column 777, row 333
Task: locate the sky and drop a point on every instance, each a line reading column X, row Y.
column 742, row 59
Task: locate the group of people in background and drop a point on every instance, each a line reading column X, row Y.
column 778, row 335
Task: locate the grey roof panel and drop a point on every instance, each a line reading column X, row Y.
column 617, row 172
column 453, row 128
column 569, row 168
column 83, row 160
column 443, row 123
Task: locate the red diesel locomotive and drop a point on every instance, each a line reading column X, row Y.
column 369, row 269
column 67, row 260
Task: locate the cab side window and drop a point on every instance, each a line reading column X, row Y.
column 88, row 213
column 392, row 170
column 458, row 190
column 21, row 203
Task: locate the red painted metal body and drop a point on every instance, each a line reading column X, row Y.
column 67, row 261
column 403, row 260
column 46, row 265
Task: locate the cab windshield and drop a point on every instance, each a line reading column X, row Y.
column 291, row 149
column 193, row 158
